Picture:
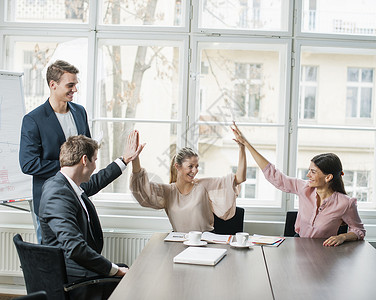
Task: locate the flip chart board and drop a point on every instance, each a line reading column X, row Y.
column 14, row 184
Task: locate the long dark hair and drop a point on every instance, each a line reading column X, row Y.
column 179, row 158
column 329, row 163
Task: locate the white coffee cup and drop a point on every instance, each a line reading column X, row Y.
column 242, row 238
column 193, row 237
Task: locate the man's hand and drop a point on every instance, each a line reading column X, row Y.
column 122, row 271
column 132, row 148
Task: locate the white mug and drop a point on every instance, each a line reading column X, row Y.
column 193, row 237
column 242, row 238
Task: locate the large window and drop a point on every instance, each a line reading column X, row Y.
column 298, row 77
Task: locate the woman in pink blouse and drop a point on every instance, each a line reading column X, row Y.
column 189, row 202
column 323, row 203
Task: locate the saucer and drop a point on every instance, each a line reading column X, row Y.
column 200, row 243
column 235, row 244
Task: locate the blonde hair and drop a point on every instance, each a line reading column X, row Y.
column 179, row 158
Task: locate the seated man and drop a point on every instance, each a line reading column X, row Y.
column 68, row 218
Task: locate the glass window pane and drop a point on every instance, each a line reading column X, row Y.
column 244, row 14
column 353, row 74
column 143, row 13
column 339, row 85
column 362, row 179
column 348, row 178
column 32, row 55
column 367, row 75
column 309, row 102
column 351, row 102
column 358, row 155
column 310, row 73
column 366, row 103
column 339, row 17
column 139, row 80
column 255, row 93
column 250, row 191
column 42, row 11
column 219, row 146
column 155, row 157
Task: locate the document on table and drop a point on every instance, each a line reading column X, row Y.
column 264, row 240
column 206, row 236
column 200, row 256
column 175, row 237
column 216, row 238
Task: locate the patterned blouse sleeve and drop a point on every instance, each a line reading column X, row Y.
column 147, row 193
column 222, row 192
column 283, row 182
column 352, row 219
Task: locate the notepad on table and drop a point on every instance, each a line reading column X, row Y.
column 216, row 238
column 266, row 240
column 200, row 256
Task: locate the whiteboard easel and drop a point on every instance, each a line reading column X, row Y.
column 14, row 185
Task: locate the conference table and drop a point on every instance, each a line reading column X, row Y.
column 297, row 269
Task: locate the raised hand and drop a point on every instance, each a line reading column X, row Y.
column 239, row 138
column 133, row 147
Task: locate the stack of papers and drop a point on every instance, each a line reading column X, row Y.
column 206, row 236
column 264, row 240
column 200, row 256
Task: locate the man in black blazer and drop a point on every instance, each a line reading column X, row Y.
column 68, row 218
column 48, row 126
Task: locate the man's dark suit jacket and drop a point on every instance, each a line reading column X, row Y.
column 64, row 222
column 41, row 138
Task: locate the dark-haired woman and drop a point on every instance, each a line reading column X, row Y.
column 323, row 203
column 189, row 202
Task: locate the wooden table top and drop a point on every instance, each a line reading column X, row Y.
column 301, row 268
column 241, row 274
column 298, row 269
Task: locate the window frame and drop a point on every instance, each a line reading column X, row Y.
column 123, row 205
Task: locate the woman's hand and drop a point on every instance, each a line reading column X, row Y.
column 239, row 138
column 335, row 240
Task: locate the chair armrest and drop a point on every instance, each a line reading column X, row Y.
column 90, row 281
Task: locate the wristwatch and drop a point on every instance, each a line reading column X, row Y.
column 122, row 159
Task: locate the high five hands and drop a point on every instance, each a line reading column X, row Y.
column 239, row 138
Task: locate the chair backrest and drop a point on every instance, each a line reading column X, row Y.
column 231, row 226
column 43, row 268
column 290, row 224
column 41, row 295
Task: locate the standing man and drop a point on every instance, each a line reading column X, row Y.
column 48, row 126
column 68, row 218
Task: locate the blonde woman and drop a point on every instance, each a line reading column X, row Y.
column 190, row 202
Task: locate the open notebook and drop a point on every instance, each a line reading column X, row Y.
column 200, row 256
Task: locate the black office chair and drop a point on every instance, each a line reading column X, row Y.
column 290, row 225
column 231, row 226
column 44, row 270
column 41, row 295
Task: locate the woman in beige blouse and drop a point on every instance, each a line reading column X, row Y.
column 190, row 202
